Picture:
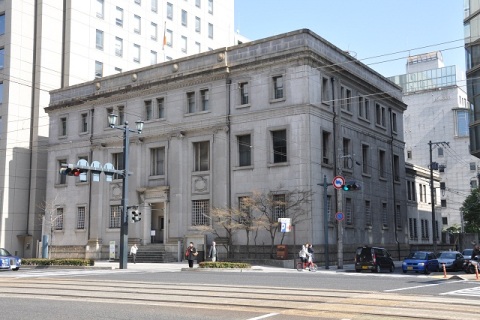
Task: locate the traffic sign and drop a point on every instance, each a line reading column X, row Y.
column 339, row 216
column 338, row 182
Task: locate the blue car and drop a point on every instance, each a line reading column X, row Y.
column 8, row 261
column 421, row 261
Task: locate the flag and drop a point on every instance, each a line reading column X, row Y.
column 164, row 35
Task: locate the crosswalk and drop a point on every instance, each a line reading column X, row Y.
column 469, row 292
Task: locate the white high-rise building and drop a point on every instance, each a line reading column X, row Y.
column 50, row 44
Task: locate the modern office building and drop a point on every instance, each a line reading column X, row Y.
column 50, row 44
column 274, row 115
column 436, row 132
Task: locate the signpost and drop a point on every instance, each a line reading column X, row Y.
column 338, row 182
column 339, row 216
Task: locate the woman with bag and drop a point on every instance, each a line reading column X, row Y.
column 190, row 254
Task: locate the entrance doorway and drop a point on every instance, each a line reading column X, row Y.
column 158, row 222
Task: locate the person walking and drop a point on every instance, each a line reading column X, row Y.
column 133, row 252
column 303, row 255
column 213, row 252
column 190, row 254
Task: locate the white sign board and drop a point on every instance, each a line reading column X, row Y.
column 285, row 224
column 112, row 250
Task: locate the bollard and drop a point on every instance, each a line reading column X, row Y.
column 444, row 270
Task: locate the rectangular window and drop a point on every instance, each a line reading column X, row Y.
column 153, row 57
column 58, row 219
column 117, row 161
column 205, row 97
column 409, row 190
column 279, row 143
column 346, row 99
column 84, row 122
column 398, row 217
column 326, row 90
column 347, row 160
column 169, row 38
column 367, row 108
column 119, row 16
column 244, row 150
column 63, row 126
column 412, row 228
column 136, row 53
column 279, row 204
column 396, row 168
column 154, row 5
column 121, row 115
column 210, row 31
column 200, row 212
column 139, row 2
column 198, row 47
column 210, row 6
column 368, row 213
column 380, row 115
column 137, row 24
column 160, row 108
column 348, row 211
column 118, row 46
column 198, row 3
column 62, row 179
column 157, row 162
column 184, row 18
column 444, row 203
column 201, row 156
column 326, row 147
column 365, row 159
column 278, row 87
column 115, row 217
column 99, row 39
column 198, row 24
column 2, row 58
column 98, row 69
column 99, row 8
column 394, row 122
column 191, row 102
column 381, row 163
column 183, row 44
column 81, row 218
column 153, row 31
column 384, row 215
column 461, row 123
column 243, row 93
column 169, row 11
column 148, row 110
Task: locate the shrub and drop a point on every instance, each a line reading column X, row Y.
column 57, row 262
column 224, row 265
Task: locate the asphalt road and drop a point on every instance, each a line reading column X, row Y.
column 167, row 292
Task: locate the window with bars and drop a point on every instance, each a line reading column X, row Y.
column 200, row 212
column 412, row 228
column 277, row 87
column 205, row 98
column 348, row 211
column 161, row 108
column 201, row 156
column 243, row 93
column 157, row 162
column 81, row 218
column 384, row 215
column 117, row 161
column 398, row 216
column 58, row 220
column 279, row 144
column 279, row 206
column 368, row 213
column 115, row 217
column 244, row 150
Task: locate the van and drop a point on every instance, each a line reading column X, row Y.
column 374, row 259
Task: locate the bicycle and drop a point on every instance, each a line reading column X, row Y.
column 309, row 265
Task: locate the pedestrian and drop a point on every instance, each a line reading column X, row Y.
column 190, row 254
column 310, row 254
column 475, row 252
column 133, row 252
column 213, row 252
column 303, row 254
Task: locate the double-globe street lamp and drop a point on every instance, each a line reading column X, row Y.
column 112, row 120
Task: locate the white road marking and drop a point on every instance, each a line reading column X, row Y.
column 264, row 316
column 422, row 286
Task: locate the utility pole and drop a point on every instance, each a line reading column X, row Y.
column 432, row 193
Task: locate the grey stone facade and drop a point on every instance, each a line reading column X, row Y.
column 293, row 92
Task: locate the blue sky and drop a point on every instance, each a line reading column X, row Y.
column 391, row 29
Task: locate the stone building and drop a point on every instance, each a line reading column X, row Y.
column 272, row 115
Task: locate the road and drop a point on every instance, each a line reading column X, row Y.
column 267, row 293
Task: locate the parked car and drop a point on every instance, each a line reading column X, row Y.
column 421, row 261
column 453, row 260
column 373, row 259
column 467, row 254
column 9, row 261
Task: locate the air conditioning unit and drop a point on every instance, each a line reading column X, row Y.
column 325, row 160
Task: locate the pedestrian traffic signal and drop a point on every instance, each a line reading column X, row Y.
column 136, row 216
column 351, row 186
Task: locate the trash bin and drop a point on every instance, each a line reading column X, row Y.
column 282, row 252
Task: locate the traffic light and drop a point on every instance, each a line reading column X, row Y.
column 351, row 186
column 136, row 216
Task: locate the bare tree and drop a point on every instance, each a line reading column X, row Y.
column 50, row 218
column 276, row 204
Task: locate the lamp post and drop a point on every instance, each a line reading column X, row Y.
column 112, row 119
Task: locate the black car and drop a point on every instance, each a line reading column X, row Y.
column 374, row 259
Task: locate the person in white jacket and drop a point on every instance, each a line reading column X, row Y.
column 304, row 254
column 133, row 252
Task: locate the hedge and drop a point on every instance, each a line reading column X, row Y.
column 224, row 265
column 58, row 262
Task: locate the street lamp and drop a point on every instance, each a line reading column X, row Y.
column 112, row 119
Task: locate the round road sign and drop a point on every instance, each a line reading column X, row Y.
column 339, row 216
column 338, row 182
